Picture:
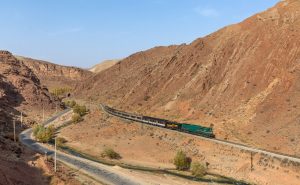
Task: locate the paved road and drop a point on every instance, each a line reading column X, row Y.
column 98, row 171
column 139, row 118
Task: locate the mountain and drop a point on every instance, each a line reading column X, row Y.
column 20, row 90
column 20, row 87
column 103, row 65
column 243, row 79
column 53, row 75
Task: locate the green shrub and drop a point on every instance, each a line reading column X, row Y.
column 76, row 118
column 71, row 103
column 198, row 169
column 43, row 134
column 60, row 141
column 80, row 109
column 36, row 129
column 110, row 153
column 181, row 161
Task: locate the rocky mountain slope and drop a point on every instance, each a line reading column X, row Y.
column 243, row 79
column 103, row 66
column 53, row 75
column 20, row 90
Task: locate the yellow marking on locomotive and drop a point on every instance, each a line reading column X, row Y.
column 172, row 125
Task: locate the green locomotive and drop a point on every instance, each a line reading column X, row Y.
column 192, row 129
column 197, row 130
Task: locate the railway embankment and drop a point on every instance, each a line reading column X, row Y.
column 233, row 159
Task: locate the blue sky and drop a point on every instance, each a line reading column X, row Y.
column 85, row 32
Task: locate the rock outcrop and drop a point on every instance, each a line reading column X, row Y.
column 53, row 75
column 20, row 88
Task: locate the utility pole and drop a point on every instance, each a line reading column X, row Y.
column 14, row 123
column 55, row 155
column 55, row 108
column 252, row 161
column 46, row 158
column 43, row 113
column 21, row 119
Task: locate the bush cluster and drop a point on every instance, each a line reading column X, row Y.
column 43, row 134
column 197, row 169
column 110, row 153
column 80, row 109
column 181, row 161
column 76, row 118
column 70, row 103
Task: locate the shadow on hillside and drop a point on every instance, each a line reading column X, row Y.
column 10, row 98
column 14, row 170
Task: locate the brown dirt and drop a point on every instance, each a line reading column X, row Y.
column 243, row 80
column 19, row 173
column 21, row 166
column 154, row 147
column 64, row 174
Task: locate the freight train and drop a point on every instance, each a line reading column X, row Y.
column 181, row 127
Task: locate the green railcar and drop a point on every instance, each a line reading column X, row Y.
column 197, row 130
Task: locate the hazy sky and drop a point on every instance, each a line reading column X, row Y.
column 85, row 32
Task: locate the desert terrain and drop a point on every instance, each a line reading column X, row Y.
column 128, row 139
column 242, row 80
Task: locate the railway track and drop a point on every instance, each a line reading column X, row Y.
column 139, row 118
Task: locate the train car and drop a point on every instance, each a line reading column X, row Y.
column 197, row 130
column 154, row 121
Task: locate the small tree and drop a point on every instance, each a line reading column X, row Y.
column 181, row 161
column 80, row 109
column 198, row 169
column 76, row 118
column 110, row 153
column 43, row 134
column 36, row 129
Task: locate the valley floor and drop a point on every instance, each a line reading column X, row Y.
column 154, row 147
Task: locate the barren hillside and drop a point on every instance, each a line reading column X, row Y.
column 244, row 79
column 103, row 66
column 53, row 75
column 20, row 90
